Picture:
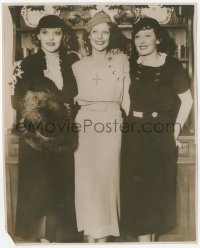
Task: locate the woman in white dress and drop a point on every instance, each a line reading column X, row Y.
column 103, row 82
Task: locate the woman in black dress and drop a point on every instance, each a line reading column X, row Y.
column 43, row 92
column 159, row 87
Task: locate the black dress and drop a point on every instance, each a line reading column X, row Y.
column 45, row 180
column 149, row 153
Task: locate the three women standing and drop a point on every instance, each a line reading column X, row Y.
column 103, row 81
column 149, row 154
column 149, row 171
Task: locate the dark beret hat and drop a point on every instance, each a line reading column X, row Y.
column 146, row 23
column 50, row 21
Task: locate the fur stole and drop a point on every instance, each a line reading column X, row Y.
column 47, row 122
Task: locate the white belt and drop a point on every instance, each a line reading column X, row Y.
column 142, row 115
column 102, row 106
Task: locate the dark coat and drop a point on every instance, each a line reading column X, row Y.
column 45, row 179
column 31, row 69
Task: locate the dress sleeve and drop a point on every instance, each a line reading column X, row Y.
column 180, row 78
column 74, row 69
column 70, row 89
column 126, row 96
column 74, row 56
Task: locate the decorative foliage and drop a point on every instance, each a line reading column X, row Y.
column 89, row 7
column 64, row 8
column 76, row 14
column 36, row 7
column 127, row 16
column 32, row 15
column 17, row 74
column 159, row 12
column 113, row 7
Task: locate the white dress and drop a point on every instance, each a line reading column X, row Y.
column 103, row 88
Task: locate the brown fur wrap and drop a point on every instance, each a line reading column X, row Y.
column 48, row 126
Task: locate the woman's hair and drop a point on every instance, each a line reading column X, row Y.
column 166, row 44
column 117, row 39
column 69, row 42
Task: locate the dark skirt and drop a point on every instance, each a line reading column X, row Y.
column 148, row 177
column 45, row 188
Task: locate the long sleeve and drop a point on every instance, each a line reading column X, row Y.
column 126, row 96
column 70, row 89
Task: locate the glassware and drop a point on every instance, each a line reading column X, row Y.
column 179, row 13
column 25, row 52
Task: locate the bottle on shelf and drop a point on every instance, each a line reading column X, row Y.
column 181, row 51
column 25, row 52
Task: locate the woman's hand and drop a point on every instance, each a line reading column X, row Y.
column 178, row 144
column 177, row 130
column 67, row 106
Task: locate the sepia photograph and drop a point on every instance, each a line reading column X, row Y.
column 100, row 123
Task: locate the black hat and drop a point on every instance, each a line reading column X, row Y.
column 147, row 23
column 50, row 21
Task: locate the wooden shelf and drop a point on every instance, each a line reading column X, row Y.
column 122, row 26
column 175, row 25
column 172, row 25
column 183, row 59
column 27, row 29
column 125, row 26
column 24, row 29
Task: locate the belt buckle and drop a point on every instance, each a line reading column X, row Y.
column 138, row 114
column 154, row 114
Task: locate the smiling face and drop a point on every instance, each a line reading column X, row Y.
column 100, row 37
column 146, row 42
column 50, row 38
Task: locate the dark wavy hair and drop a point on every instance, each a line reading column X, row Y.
column 166, row 45
column 117, row 39
column 69, row 42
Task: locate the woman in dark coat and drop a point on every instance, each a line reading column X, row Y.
column 43, row 92
column 149, row 166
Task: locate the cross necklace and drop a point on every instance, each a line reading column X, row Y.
column 97, row 78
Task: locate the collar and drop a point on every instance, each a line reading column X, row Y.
column 162, row 61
